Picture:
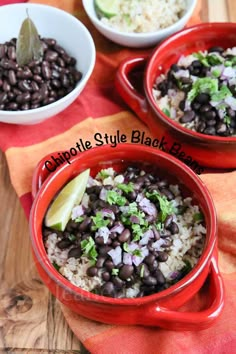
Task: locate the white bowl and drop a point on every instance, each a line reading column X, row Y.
column 137, row 40
column 70, row 34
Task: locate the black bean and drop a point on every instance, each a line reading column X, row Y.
column 149, row 259
column 24, row 85
column 201, row 127
column 168, row 221
column 221, row 128
column 231, row 113
column 156, row 233
column 174, row 229
column 216, row 49
column 59, row 49
column 210, row 131
column 50, row 42
column 3, row 97
column 150, row 280
column 25, row 74
column 119, row 283
column 205, row 108
column 211, row 122
column 182, row 105
column 159, row 276
column 167, row 243
column 35, row 105
column 124, row 236
column 64, row 243
column 153, row 266
column 210, row 115
column 187, row 117
column 169, row 195
column 6, row 87
column 51, row 55
column 36, row 97
column 195, row 106
column 162, row 256
column 23, row 98
column 174, row 67
column 103, row 249
column 11, row 52
column 202, row 98
column 25, row 106
column 109, row 264
column 12, row 106
column 46, row 71
column 12, row 77
column 108, row 289
column 126, row 271
column 85, row 225
column 74, row 252
column 115, row 244
column 2, row 51
column 106, row 276
column 100, row 261
column 92, row 271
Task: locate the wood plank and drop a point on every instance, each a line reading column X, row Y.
column 231, row 5
column 30, row 317
column 218, row 10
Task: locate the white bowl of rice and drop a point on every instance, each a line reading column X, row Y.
column 137, row 23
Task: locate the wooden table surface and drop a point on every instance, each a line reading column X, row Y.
column 30, row 317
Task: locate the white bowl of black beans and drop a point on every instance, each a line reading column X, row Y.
column 32, row 93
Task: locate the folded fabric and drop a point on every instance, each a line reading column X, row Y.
column 99, row 109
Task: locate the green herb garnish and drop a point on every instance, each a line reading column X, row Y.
column 72, row 237
column 198, row 217
column 142, row 271
column 56, row 266
column 166, row 112
column 115, row 271
column 88, row 248
column 79, row 219
column 223, row 92
column 227, row 120
column 127, row 188
column 103, row 174
column 166, row 206
column 115, row 198
column 203, row 85
column 99, row 221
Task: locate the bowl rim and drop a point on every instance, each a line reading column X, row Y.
column 140, row 35
column 42, row 258
column 79, row 85
column 188, row 133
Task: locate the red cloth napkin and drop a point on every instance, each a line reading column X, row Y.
column 99, row 109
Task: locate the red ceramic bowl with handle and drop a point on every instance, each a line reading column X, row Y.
column 197, row 149
column 159, row 309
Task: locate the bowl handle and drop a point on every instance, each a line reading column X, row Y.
column 186, row 321
column 129, row 84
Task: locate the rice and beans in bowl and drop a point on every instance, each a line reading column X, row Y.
column 133, row 234
column 199, row 91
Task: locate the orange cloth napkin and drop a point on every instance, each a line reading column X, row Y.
column 99, row 109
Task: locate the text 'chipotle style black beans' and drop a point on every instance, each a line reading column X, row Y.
column 54, row 76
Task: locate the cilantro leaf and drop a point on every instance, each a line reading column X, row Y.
column 227, row 120
column 198, row 217
column 115, row 271
column 56, row 266
column 201, row 57
column 126, row 187
column 221, row 94
column 99, row 221
column 166, row 206
column 142, row 271
column 89, row 249
column 166, row 112
column 72, row 237
column 103, row 174
column 115, row 198
column 203, row 85
column 79, row 219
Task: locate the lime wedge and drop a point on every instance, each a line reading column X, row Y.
column 59, row 211
column 107, row 8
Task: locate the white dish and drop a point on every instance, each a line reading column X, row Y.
column 69, row 32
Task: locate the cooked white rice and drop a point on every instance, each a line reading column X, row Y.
column 187, row 245
column 146, row 15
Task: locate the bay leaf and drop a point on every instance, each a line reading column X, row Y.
column 28, row 46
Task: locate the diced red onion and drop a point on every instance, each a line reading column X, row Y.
column 181, row 73
column 174, row 275
column 127, row 258
column 108, row 213
column 228, row 73
column 156, row 245
column 232, row 81
column 148, row 207
column 215, row 103
column 135, row 219
column 133, row 246
column 139, row 197
column 77, row 211
column 231, row 101
column 124, row 209
column 171, row 93
column 91, row 182
column 103, row 194
column 116, row 255
column 118, row 227
column 103, row 232
column 137, row 260
column 145, row 251
column 146, row 237
column 221, row 113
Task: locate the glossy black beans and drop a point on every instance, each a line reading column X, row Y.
column 55, row 73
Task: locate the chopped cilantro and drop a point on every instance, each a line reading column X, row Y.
column 88, row 248
column 203, row 85
column 115, row 198
column 79, row 219
column 166, row 207
column 166, row 112
column 216, row 72
column 186, row 269
column 56, row 266
column 198, row 217
column 214, row 59
column 142, row 271
column 201, row 57
column 103, row 174
column 126, row 187
column 125, row 247
column 137, row 231
column 228, row 63
column 227, row 120
column 137, row 252
column 115, row 271
column 221, row 94
column 72, row 237
column 99, row 221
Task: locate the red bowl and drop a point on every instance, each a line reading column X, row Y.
column 195, row 149
column 155, row 310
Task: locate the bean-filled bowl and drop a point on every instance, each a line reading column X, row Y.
column 126, row 236
column 189, row 94
column 138, row 23
column 43, row 68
